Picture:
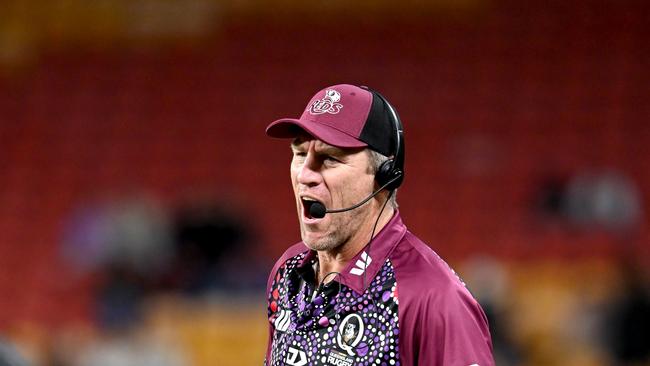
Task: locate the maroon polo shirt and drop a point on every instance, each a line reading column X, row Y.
column 397, row 303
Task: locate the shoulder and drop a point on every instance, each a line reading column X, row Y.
column 291, row 256
column 424, row 278
column 292, row 252
column 440, row 321
column 416, row 264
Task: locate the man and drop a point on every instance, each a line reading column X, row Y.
column 360, row 289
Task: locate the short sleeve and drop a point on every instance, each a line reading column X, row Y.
column 446, row 328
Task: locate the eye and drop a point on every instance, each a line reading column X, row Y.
column 298, row 158
column 331, row 159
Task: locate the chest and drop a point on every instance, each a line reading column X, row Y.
column 334, row 325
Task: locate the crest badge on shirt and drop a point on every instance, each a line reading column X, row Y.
column 350, row 333
column 349, row 338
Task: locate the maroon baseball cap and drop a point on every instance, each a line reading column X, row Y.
column 345, row 116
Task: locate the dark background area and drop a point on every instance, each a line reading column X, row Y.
column 124, row 123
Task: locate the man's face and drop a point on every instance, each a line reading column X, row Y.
column 337, row 178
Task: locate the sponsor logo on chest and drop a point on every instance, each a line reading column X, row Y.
column 337, row 358
column 296, row 357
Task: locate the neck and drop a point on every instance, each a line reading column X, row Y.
column 337, row 259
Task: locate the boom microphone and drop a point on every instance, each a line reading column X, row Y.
column 318, row 210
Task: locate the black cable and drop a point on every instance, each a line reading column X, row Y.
column 372, row 234
column 364, row 278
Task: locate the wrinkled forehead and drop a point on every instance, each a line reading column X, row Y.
column 306, row 139
column 303, row 140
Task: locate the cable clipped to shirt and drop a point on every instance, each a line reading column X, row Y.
column 364, row 280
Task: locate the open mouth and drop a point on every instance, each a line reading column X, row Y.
column 307, row 202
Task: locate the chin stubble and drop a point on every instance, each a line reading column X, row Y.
column 338, row 237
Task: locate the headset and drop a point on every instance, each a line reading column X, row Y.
column 391, row 172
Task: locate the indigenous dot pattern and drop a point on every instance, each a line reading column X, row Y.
column 319, row 330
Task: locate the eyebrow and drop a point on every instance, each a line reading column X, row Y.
column 331, row 150
column 297, row 142
column 322, row 148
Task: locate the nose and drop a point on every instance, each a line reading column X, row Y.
column 309, row 173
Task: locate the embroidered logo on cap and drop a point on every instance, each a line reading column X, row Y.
column 328, row 104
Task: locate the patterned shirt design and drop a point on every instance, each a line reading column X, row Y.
column 332, row 324
column 396, row 303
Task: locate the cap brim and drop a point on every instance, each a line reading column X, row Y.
column 286, row 128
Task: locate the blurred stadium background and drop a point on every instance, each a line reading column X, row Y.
column 141, row 205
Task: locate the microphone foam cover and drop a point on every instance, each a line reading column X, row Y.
column 317, row 210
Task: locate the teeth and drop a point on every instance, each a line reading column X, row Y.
column 308, row 199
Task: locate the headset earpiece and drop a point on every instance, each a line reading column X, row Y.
column 387, row 172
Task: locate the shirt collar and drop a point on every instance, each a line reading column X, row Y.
column 370, row 259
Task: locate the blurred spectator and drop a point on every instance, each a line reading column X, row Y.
column 131, row 232
column 212, row 244
column 130, row 349
column 628, row 329
column 128, row 242
column 9, row 356
column 608, row 199
column 605, row 199
column 488, row 281
column 119, row 298
column 550, row 200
